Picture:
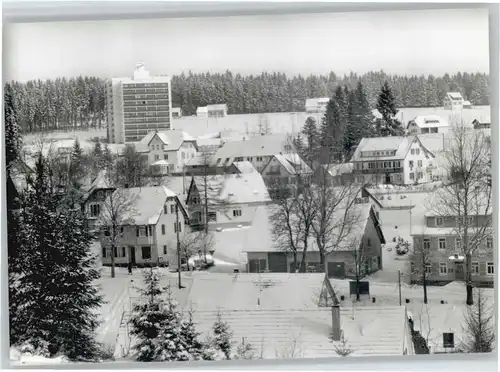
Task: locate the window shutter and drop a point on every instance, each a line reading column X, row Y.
column 137, row 231
column 146, row 228
column 482, row 268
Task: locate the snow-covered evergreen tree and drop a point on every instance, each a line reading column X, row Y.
column 388, row 125
column 54, row 299
column 311, row 134
column 222, row 335
column 245, row 351
column 13, row 139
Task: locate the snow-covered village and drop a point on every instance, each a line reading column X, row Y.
column 215, row 215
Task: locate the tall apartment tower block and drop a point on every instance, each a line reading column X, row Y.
column 137, row 105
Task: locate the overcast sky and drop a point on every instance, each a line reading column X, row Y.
column 405, row 42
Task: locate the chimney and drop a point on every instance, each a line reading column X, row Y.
column 336, row 331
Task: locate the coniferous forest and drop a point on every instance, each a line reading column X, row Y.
column 79, row 103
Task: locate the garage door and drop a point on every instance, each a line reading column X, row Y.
column 336, row 270
column 277, row 262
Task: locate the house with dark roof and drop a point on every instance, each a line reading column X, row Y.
column 231, row 199
column 169, row 150
column 148, row 223
column 393, row 160
column 311, row 323
column 453, row 101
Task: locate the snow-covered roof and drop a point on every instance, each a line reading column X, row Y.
column 426, row 121
column 141, row 205
column 212, row 291
column 434, row 142
column 267, row 145
column 338, row 169
column 244, row 166
column 239, row 188
column 293, row 163
column 455, row 95
column 161, row 162
column 399, row 144
column 172, row 139
column 202, row 110
column 467, row 103
column 312, row 102
column 277, row 334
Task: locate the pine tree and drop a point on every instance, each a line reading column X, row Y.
column 54, row 299
column 196, row 349
column 386, row 106
column 222, row 335
column 245, row 351
column 479, row 327
column 331, row 134
column 13, row 139
column 77, row 168
column 299, row 144
column 311, row 134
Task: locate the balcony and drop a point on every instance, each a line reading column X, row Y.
column 378, row 170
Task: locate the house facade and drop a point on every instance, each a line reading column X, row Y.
column 392, row 160
column 174, row 149
column 316, row 105
column 427, row 125
column 202, row 111
column 283, row 171
column 441, row 242
column 231, row 199
column 217, row 111
column 148, row 228
column 453, row 101
column 361, row 250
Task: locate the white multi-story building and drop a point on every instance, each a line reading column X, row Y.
column 137, row 105
column 453, row 101
column 393, row 160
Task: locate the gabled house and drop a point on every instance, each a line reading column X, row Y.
column 202, row 111
column 316, row 105
column 258, row 150
column 392, row 160
column 335, row 174
column 425, row 124
column 360, row 245
column 481, row 124
column 148, row 226
column 95, row 198
column 231, row 199
column 467, row 105
column 285, row 170
column 260, row 310
column 217, row 111
column 172, row 149
column 203, row 164
column 440, row 234
column 453, row 101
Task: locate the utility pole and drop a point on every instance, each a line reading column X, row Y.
column 399, row 285
column 178, row 244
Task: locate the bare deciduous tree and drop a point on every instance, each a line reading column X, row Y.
column 420, row 261
column 466, row 194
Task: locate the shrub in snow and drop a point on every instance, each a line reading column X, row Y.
column 245, row 351
column 479, row 327
column 52, row 294
column 342, row 348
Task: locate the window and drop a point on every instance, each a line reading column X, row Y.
column 172, row 208
column 163, row 229
column 420, row 175
column 458, row 243
column 165, row 209
column 442, row 243
column 146, row 253
column 419, row 163
column 212, row 216
column 164, row 249
column 249, row 159
column 490, row 268
column 410, row 163
column 104, row 252
column 259, row 158
column 165, row 157
column 475, row 268
column 115, row 251
column 439, row 221
column 412, row 176
column 427, row 244
column 428, row 269
column 412, row 152
column 142, row 231
column 107, row 232
column 443, row 268
column 489, row 243
column 95, row 209
column 157, row 157
column 369, row 242
column 177, row 227
column 417, row 151
column 236, row 212
column 183, row 154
